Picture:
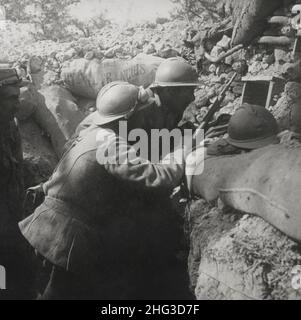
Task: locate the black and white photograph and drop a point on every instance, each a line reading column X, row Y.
column 150, row 150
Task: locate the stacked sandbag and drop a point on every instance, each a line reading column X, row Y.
column 85, row 77
column 58, row 115
column 141, row 70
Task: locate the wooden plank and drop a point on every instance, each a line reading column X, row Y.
column 269, row 95
column 297, row 47
column 261, row 78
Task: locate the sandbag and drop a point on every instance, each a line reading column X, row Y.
column 86, row 77
column 265, row 182
column 58, row 115
column 251, row 21
column 141, row 70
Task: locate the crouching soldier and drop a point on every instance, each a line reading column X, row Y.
column 251, row 127
column 101, row 228
column 11, row 185
column 168, row 96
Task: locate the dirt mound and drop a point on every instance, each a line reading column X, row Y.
column 236, row 256
column 39, row 157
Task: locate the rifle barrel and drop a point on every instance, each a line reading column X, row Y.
column 217, row 103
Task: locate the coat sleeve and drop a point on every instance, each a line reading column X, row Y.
column 121, row 160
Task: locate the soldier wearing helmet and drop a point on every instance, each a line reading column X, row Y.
column 101, row 229
column 167, row 98
column 251, row 127
column 174, row 86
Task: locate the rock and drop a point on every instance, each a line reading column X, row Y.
column 255, row 67
column 237, row 88
column 216, row 51
column 61, row 57
column 239, row 55
column 160, row 28
column 71, row 53
column 229, row 98
column 99, row 54
column 131, row 28
column 150, row 25
column 35, row 64
column 162, row 20
column 25, row 57
column 129, row 32
column 293, row 91
column 150, row 49
column 269, row 59
column 89, row 55
column 53, row 55
column 257, row 57
column 168, row 53
column 55, row 64
column 241, row 67
column 224, row 43
column 157, row 39
column 282, row 56
column 110, row 53
column 212, row 68
column 292, row 71
column 288, row 31
column 50, row 78
column 21, row 72
column 290, row 97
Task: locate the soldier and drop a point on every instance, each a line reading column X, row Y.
column 11, row 183
column 167, row 98
column 251, row 127
column 173, row 89
column 108, row 231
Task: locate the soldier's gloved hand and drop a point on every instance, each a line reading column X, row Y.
column 36, row 190
column 34, row 197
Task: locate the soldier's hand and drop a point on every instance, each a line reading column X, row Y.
column 36, row 189
column 33, row 198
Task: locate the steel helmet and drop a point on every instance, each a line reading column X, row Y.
column 252, row 127
column 175, row 72
column 118, row 100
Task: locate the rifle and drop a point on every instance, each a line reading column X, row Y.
column 216, row 105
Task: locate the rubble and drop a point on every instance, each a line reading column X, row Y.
column 281, row 111
column 239, row 257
